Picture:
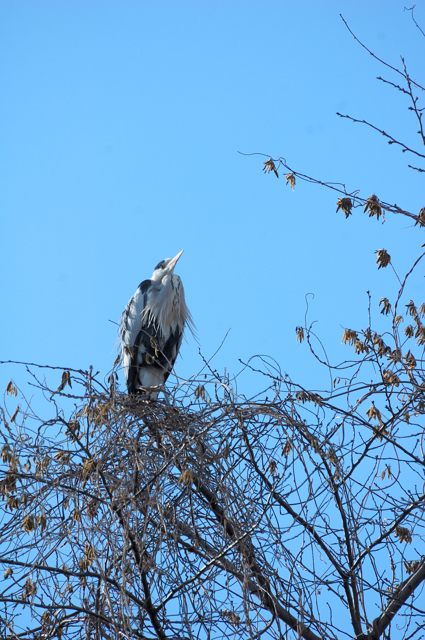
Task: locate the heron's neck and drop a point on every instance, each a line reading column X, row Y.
column 167, row 307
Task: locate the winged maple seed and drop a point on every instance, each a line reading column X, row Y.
column 12, row 502
column 390, row 378
column 383, row 258
column 30, row 589
column 349, row 336
column 233, row 617
column 62, row 456
column 411, row 565
column 410, row 360
column 272, row 467
column 88, row 466
column 395, row 355
column 361, row 347
column 269, row 166
column 186, row 477
column 420, row 335
column 287, row 448
column 28, row 523
column 89, row 557
column 386, row 472
column 290, row 179
column 6, row 453
column 373, row 206
column 412, row 311
column 385, row 306
column 92, row 507
column 409, row 331
column 11, row 390
column 300, row 333
column 66, row 380
column 15, row 415
column 373, row 412
column 403, row 534
column 345, row 204
column 421, row 218
column 200, row 392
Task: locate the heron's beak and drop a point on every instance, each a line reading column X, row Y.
column 173, row 262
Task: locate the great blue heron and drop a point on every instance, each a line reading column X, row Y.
column 151, row 329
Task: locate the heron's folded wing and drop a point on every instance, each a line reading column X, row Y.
column 152, row 350
column 130, row 327
column 170, row 351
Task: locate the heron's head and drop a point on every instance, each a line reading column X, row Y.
column 165, row 267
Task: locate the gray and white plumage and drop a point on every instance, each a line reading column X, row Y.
column 151, row 329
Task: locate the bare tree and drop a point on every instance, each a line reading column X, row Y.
column 294, row 514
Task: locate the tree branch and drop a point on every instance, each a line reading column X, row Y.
column 402, row 593
column 391, row 139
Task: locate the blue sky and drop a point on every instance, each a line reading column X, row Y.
column 120, row 127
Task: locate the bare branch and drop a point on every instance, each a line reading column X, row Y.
column 390, row 138
column 371, row 53
column 403, row 592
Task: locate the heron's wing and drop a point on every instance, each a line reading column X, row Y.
column 130, row 328
column 170, row 351
column 152, row 350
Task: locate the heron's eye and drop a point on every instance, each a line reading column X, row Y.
column 160, row 265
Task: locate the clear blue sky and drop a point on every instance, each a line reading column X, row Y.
column 120, row 126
